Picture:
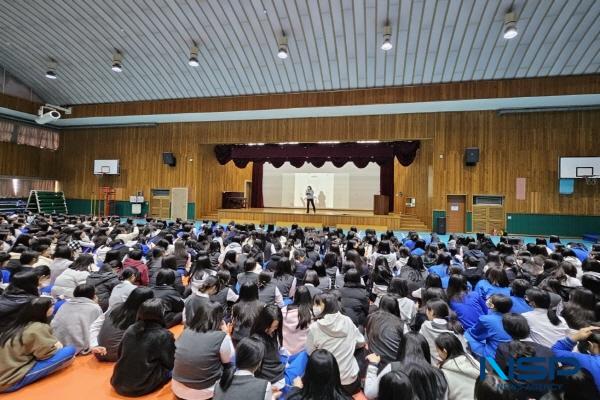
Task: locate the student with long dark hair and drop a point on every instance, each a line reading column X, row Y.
column 355, row 300
column 245, row 311
column 268, row 328
column 283, row 277
column 107, row 330
column 408, row 308
column 396, row 385
column 21, row 290
column 580, row 310
column 468, row 305
column 520, row 346
column 297, row 318
column 239, row 382
column 384, row 330
column 165, row 290
column 337, row 333
column 546, row 326
column 440, row 319
column 202, row 351
column 28, row 350
column 414, row 272
column 413, row 359
column 321, row 379
column 460, row 369
column 485, row 336
column 493, row 388
column 146, row 353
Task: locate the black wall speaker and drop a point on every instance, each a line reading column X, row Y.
column 169, row 159
column 471, row 156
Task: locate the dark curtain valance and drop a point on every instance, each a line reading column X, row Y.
column 317, row 154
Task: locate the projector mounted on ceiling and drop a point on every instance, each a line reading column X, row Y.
column 49, row 113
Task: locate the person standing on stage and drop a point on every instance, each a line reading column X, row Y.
column 310, row 199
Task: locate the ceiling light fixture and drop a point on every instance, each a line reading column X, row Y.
column 283, row 48
column 117, row 61
column 51, row 69
column 387, row 38
column 193, row 61
column 510, row 25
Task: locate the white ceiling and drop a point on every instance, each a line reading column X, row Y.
column 334, row 44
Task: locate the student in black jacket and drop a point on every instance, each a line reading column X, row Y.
column 355, row 299
column 104, row 280
column 146, row 353
column 164, row 290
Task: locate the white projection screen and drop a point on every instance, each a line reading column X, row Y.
column 345, row 188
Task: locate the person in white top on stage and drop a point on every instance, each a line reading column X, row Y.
column 310, row 199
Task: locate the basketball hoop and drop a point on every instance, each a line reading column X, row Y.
column 592, row 180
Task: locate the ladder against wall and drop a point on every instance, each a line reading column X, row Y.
column 40, row 201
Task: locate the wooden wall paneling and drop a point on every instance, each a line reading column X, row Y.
column 511, row 146
column 27, row 161
column 563, row 85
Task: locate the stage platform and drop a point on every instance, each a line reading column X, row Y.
column 338, row 218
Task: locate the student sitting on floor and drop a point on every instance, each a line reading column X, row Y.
column 146, row 353
column 107, row 330
column 321, row 379
column 28, row 350
column 22, row 289
column 239, row 382
column 268, row 327
column 485, row 336
column 201, row 352
column 72, row 322
column 164, row 290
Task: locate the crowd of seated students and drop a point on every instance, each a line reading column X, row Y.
column 295, row 313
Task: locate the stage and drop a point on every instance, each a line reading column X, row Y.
column 339, row 218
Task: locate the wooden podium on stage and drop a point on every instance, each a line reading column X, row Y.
column 381, row 204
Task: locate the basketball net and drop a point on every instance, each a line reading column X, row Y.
column 592, row 180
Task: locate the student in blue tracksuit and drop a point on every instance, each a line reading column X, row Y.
column 495, row 282
column 488, row 332
column 467, row 305
column 517, row 294
column 580, row 251
column 590, row 337
column 441, row 266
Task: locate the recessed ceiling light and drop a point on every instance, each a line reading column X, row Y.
column 510, row 25
column 117, row 62
column 282, row 52
column 387, row 38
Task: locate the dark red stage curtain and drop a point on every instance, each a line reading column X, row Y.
column 257, row 186
column 386, row 182
column 317, row 154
